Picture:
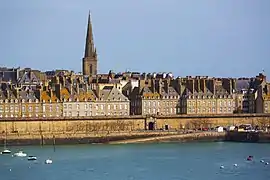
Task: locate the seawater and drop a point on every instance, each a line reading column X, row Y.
column 164, row 161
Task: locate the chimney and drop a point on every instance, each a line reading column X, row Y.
column 153, row 85
column 86, row 87
column 58, row 88
column 98, row 90
column 51, row 92
column 141, row 85
column 77, row 88
column 159, row 86
column 166, row 85
column 57, row 80
column 8, row 93
column 203, row 85
column 197, row 84
column 64, row 81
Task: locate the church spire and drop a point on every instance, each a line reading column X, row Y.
column 89, row 62
column 89, row 45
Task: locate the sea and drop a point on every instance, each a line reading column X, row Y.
column 153, row 161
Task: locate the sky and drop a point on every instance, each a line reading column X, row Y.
column 221, row 38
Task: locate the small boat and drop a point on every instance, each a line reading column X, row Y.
column 250, row 158
column 32, row 158
column 20, row 154
column 6, row 151
column 48, row 161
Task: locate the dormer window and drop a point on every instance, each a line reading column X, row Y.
column 30, row 100
column 6, row 101
column 16, row 100
column 23, row 100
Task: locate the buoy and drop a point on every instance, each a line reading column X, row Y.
column 262, row 161
column 221, row 167
column 235, row 165
column 266, row 163
column 9, row 169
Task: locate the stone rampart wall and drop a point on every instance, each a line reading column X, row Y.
column 29, row 127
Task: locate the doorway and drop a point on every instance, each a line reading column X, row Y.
column 151, row 126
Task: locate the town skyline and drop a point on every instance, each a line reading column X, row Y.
column 72, row 51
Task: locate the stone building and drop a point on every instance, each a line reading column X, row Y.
column 154, row 96
column 203, row 95
column 9, row 103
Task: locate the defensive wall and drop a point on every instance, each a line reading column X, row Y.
column 103, row 129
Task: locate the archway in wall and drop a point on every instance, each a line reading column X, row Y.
column 151, row 126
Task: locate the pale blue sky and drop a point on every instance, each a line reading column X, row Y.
column 229, row 38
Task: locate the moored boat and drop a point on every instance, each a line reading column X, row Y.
column 32, row 158
column 6, row 151
column 20, row 154
column 48, row 161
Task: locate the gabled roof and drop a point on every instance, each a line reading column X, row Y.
column 109, row 93
column 28, row 78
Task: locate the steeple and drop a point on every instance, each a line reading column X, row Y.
column 90, row 50
column 90, row 54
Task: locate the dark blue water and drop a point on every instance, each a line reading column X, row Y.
column 169, row 161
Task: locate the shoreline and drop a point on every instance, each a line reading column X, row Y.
column 120, row 138
column 135, row 138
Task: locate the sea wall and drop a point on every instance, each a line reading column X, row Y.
column 42, row 130
column 259, row 137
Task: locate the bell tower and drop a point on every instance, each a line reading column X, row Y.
column 89, row 60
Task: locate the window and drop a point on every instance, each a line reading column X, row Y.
column 91, row 69
column 36, row 109
column 120, row 107
column 125, row 106
column 78, row 106
column 65, row 106
column 85, row 106
column 23, row 108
